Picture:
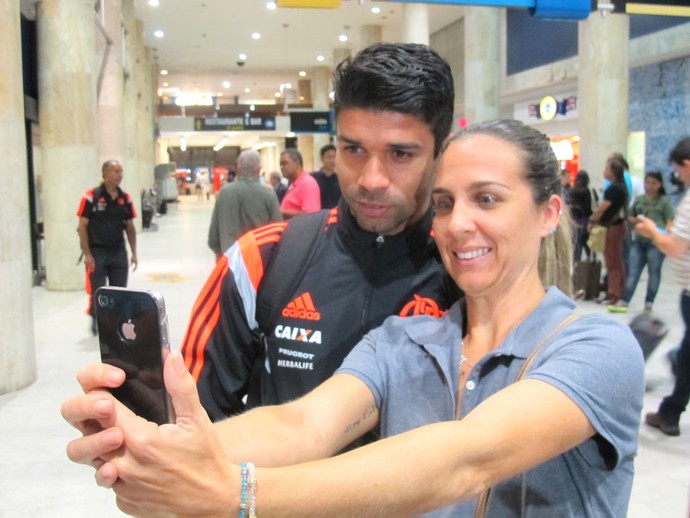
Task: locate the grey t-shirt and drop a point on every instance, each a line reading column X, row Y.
column 411, row 367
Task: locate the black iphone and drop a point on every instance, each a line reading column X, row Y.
column 133, row 335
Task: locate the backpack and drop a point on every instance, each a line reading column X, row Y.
column 294, row 253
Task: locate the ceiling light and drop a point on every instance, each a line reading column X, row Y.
column 345, row 35
column 242, row 56
column 252, row 107
column 220, row 144
column 220, row 94
column 164, row 72
column 256, row 35
column 159, row 33
column 193, row 99
column 154, row 3
column 320, row 58
column 288, row 85
column 271, row 6
column 183, row 144
column 290, row 134
column 247, row 90
column 302, row 73
column 277, row 94
column 226, row 84
column 376, row 10
column 165, row 84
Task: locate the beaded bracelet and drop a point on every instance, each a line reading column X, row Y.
column 252, row 491
column 248, row 491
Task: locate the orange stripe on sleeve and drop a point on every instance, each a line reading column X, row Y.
column 205, row 335
column 249, row 248
column 206, row 303
column 82, row 202
column 332, row 216
column 271, row 228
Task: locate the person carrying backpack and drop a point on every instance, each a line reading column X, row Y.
column 288, row 303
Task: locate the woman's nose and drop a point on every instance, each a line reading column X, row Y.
column 460, row 220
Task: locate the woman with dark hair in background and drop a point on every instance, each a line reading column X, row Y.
column 653, row 204
column 583, row 201
column 611, row 214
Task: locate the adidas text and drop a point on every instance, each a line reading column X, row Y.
column 306, row 314
column 298, row 334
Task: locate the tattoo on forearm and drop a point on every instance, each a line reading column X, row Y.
column 356, row 424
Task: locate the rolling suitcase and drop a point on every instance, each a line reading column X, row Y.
column 649, row 331
column 586, row 276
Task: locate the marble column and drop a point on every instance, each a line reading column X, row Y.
column 305, row 145
column 17, row 351
column 130, row 165
column 138, row 177
column 67, row 118
column 340, row 54
column 320, row 88
column 602, row 91
column 415, row 23
column 370, row 34
column 129, row 96
column 482, row 58
column 146, row 123
column 110, row 114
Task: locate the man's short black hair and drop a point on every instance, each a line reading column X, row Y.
column 294, row 154
column 681, row 152
column 325, row 149
column 107, row 164
column 405, row 78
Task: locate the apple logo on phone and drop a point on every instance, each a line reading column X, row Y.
column 127, row 330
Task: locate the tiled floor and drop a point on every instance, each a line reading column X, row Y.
column 37, row 480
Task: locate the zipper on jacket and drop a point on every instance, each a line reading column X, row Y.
column 380, row 240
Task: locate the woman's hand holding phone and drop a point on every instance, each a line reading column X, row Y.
column 139, row 459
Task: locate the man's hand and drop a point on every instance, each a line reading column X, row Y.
column 89, row 261
column 135, row 262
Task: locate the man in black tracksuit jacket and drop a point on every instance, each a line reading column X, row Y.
column 376, row 256
column 355, row 280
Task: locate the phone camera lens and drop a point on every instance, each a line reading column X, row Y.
column 104, row 301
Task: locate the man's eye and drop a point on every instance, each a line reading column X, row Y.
column 400, row 154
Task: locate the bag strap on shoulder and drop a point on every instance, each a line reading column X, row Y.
column 484, row 497
column 288, row 264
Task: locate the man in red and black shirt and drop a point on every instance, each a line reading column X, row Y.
column 106, row 213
